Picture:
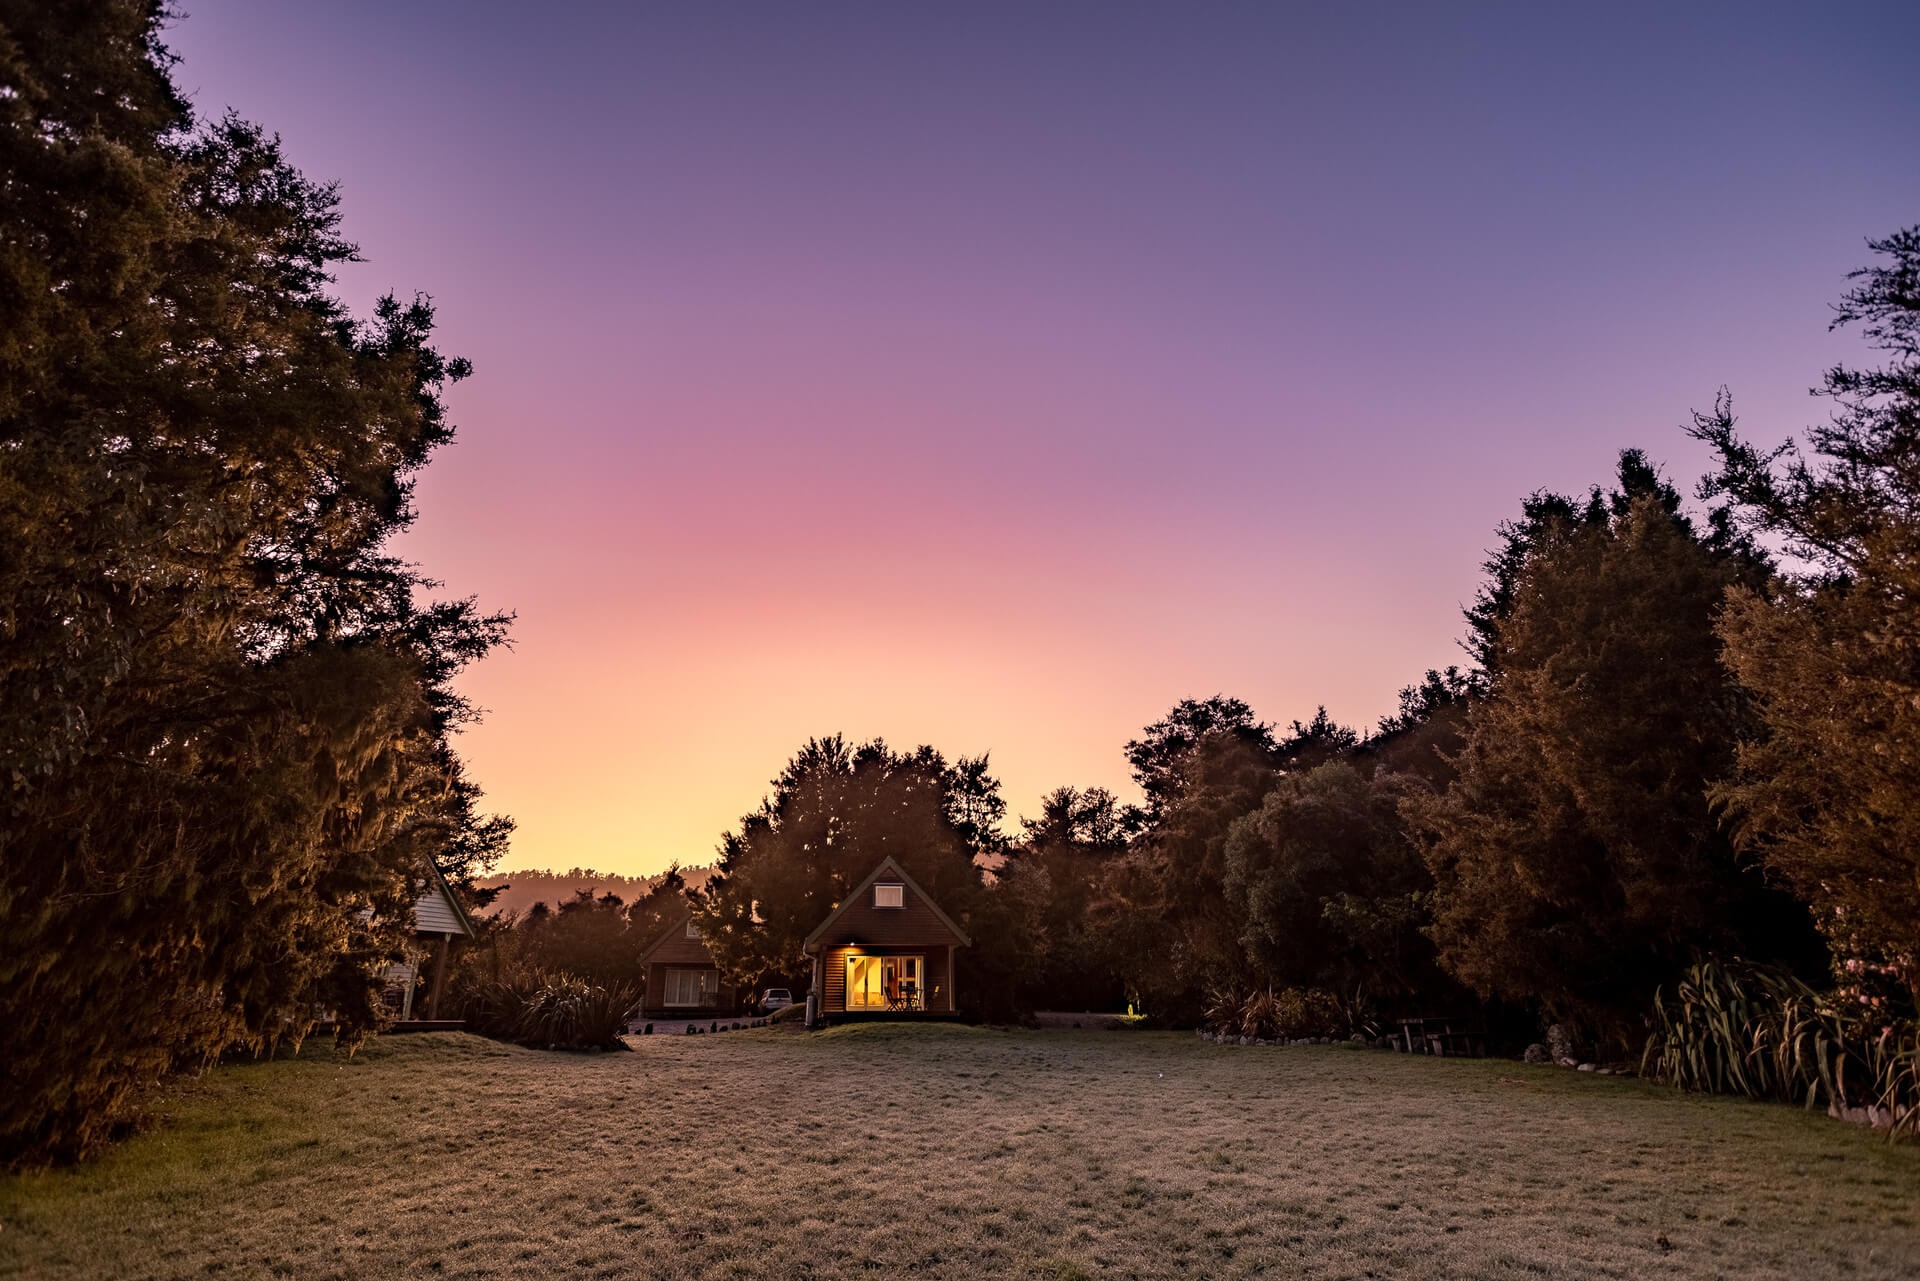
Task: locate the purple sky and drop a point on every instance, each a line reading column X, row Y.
column 994, row 376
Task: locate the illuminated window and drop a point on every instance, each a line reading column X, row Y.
column 886, row 983
column 691, row 987
column 889, row 896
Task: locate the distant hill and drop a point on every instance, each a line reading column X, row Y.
column 528, row 886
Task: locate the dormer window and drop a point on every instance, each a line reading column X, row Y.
column 693, row 931
column 889, row 895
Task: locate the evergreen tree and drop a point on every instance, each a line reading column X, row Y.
column 1829, row 793
column 1158, row 757
column 223, row 713
column 1577, row 860
column 1329, row 885
column 1175, row 928
column 835, row 813
column 1065, row 857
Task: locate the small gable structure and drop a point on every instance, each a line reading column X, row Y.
column 682, row 980
column 886, row 948
column 438, row 919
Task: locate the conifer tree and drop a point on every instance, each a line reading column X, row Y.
column 1829, row 792
column 1576, row 858
column 223, row 712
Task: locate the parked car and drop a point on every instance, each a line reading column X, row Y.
column 775, row 998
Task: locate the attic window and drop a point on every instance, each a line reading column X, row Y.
column 693, row 931
column 889, row 896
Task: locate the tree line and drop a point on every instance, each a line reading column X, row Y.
column 1685, row 731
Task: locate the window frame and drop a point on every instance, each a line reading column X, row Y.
column 675, row 978
column 898, row 887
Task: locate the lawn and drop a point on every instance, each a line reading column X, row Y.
column 960, row 1152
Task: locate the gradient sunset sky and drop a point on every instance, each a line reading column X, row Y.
column 994, row 376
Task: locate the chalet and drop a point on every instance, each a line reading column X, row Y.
column 885, row 949
column 682, row 980
column 438, row 919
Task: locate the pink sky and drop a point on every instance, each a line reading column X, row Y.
column 994, row 380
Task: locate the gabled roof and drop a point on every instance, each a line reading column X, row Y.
column 673, row 932
column 887, row 868
column 437, row 887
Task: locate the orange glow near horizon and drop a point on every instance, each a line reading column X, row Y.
column 994, row 377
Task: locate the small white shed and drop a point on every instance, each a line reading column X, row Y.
column 438, row 919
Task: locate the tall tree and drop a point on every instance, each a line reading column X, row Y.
column 1158, row 757
column 1545, row 516
column 836, row 811
column 1064, row 857
column 224, row 708
column 1175, row 926
column 1829, row 793
column 1576, row 858
column 1329, row 886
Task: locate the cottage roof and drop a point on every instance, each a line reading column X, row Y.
column 892, row 870
column 676, row 932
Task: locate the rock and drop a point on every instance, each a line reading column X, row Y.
column 1568, row 1061
column 1359, row 1038
column 1560, row 1043
column 1246, row 1040
column 1587, row 1067
column 1537, row 1053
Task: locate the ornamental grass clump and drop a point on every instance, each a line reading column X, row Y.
column 552, row 1012
column 1265, row 1014
column 1749, row 1030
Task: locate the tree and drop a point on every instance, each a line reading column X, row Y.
column 1424, row 736
column 1576, row 859
column 1546, row 516
column 1437, row 693
column 1829, row 792
column 1329, row 885
column 1061, row 864
column 1315, row 743
column 225, row 707
column 1174, row 926
column 1159, row 755
column 835, row 813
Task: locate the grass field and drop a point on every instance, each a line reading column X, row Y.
column 960, row 1152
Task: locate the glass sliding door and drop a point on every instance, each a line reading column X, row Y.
column 886, row 983
column 866, row 983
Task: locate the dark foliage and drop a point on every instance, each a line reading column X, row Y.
column 836, row 811
column 224, row 705
column 1828, row 790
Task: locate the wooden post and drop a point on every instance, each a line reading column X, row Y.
column 439, row 977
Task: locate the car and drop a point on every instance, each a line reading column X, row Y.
column 775, row 998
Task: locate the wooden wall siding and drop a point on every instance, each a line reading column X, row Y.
column 678, row 949
column 833, row 999
column 432, row 914
column 835, row 981
column 913, row 925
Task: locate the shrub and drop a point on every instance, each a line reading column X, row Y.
column 1268, row 1015
column 1739, row 1028
column 551, row 1012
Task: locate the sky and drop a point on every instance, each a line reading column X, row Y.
column 994, row 376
